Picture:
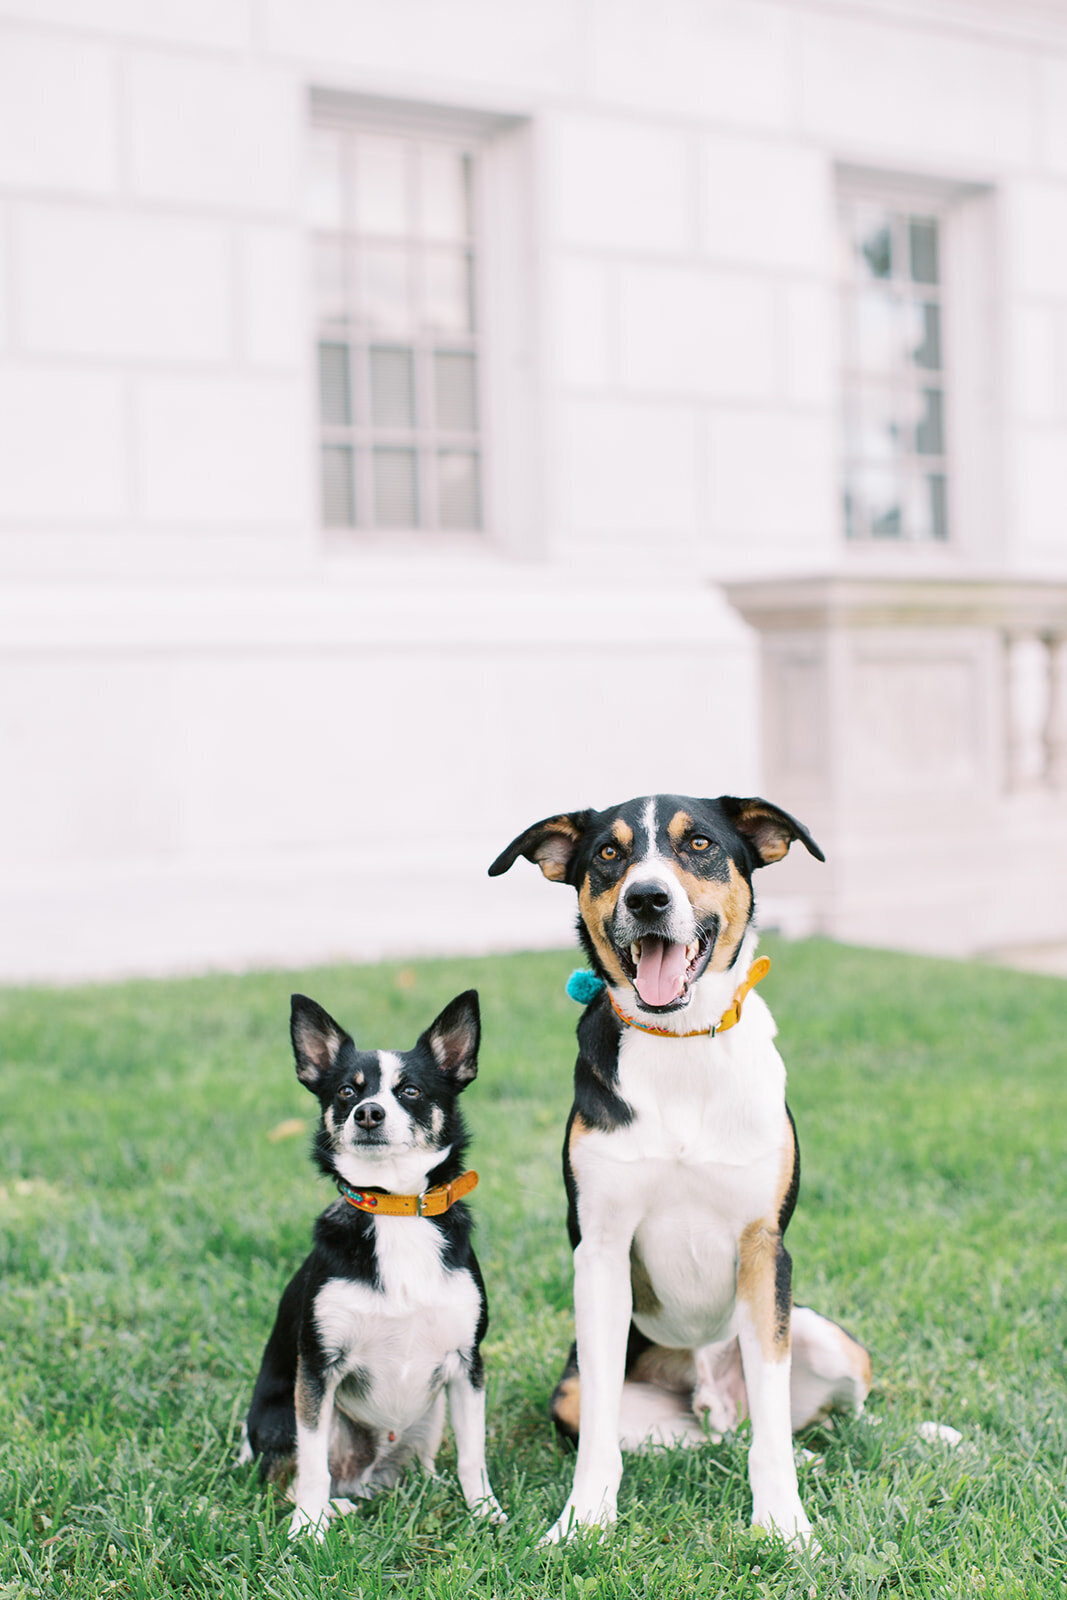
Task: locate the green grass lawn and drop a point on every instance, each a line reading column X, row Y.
column 148, row 1223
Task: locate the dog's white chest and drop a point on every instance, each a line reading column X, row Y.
column 700, row 1101
column 685, row 1251
column 402, row 1342
column 701, row 1159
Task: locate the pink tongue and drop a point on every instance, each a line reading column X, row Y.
column 660, row 972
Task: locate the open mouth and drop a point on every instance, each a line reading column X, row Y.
column 661, row 970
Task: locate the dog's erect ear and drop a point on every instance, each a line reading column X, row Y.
column 317, row 1040
column 453, row 1038
column 550, row 843
column 769, row 830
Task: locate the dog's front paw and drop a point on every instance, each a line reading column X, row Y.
column 311, row 1522
column 490, row 1510
column 575, row 1518
column 786, row 1521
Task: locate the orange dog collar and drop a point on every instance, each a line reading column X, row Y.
column 431, row 1203
column 756, row 973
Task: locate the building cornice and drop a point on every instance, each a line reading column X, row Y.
column 1017, row 606
column 1041, row 22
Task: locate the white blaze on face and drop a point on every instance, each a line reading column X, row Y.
column 661, row 959
column 396, row 1130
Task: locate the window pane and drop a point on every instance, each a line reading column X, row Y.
column 872, row 244
column 923, row 238
column 455, row 396
column 938, row 506
column 458, row 499
column 924, row 334
column 385, row 288
column 331, row 281
column 396, row 501
column 929, row 432
column 380, row 187
column 446, row 200
column 925, row 507
column 392, row 388
column 323, row 189
column 874, row 432
column 878, row 327
column 447, row 305
column 335, row 396
column 338, row 498
column 873, row 504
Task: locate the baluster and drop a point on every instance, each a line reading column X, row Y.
column 1026, row 691
column 1055, row 731
column 1013, row 740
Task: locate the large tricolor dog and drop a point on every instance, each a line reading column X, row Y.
column 680, row 1158
column 388, row 1312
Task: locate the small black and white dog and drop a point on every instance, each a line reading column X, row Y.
column 388, row 1311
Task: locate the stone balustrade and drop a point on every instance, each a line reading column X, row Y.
column 919, row 727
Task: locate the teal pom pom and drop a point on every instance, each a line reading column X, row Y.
column 584, row 986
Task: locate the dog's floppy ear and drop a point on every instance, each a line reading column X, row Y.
column 453, row 1038
column 550, row 843
column 317, row 1040
column 769, row 830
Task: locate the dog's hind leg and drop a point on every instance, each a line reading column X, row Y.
column 657, row 1400
column 655, row 1407
column 719, row 1395
column 432, row 1431
column 831, row 1371
column 351, row 1451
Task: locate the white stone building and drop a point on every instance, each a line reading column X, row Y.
column 390, row 395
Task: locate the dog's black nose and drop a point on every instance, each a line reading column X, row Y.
column 646, row 899
column 369, row 1114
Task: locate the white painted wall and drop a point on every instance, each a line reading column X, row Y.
column 224, row 739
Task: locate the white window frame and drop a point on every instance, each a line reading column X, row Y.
column 971, row 364
column 504, row 336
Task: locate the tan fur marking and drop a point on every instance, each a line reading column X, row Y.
column 579, row 1129
column 674, row 1370
column 566, row 1403
column 757, row 1254
column 307, row 1402
column 553, row 854
column 731, row 902
column 597, row 911
column 774, row 850
column 767, row 832
column 622, row 833
column 789, row 1162
column 645, row 1297
column 552, row 868
column 678, row 827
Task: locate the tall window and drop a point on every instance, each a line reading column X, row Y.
column 894, row 448
column 393, row 222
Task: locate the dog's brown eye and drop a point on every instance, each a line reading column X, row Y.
column 698, row 842
column 608, row 853
column 409, row 1092
column 346, row 1092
